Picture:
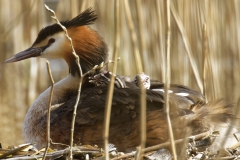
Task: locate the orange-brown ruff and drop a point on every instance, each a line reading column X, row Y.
column 188, row 107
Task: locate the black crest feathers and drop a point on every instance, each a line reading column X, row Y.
column 87, row 17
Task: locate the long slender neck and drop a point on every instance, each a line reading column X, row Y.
column 36, row 115
column 68, row 84
column 85, row 65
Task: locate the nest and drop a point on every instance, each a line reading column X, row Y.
column 196, row 148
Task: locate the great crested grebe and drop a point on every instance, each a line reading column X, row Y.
column 188, row 107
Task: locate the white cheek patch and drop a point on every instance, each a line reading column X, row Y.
column 55, row 49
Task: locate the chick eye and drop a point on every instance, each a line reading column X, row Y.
column 51, row 40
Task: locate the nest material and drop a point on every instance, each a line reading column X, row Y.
column 196, row 148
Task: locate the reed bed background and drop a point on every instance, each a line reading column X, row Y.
column 214, row 48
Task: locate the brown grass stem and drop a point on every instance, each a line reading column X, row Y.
column 143, row 127
column 14, row 22
column 204, row 53
column 236, row 9
column 207, row 69
column 141, row 26
column 166, row 144
column 168, row 81
column 139, row 70
column 112, row 79
column 49, row 110
column 188, row 48
column 133, row 37
column 19, row 148
column 80, row 81
column 161, row 40
column 53, row 155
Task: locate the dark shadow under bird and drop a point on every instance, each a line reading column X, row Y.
column 188, row 107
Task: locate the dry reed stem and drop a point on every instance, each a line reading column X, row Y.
column 141, row 26
column 133, row 37
column 80, row 81
column 210, row 74
column 166, row 144
column 237, row 22
column 207, row 70
column 139, row 70
column 235, row 146
column 160, row 26
column 204, row 53
column 142, row 128
column 57, row 154
column 188, row 48
column 11, row 26
column 21, row 147
column 108, row 104
column 49, row 110
column 167, row 83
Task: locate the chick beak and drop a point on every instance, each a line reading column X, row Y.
column 28, row 53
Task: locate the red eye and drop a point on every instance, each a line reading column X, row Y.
column 51, row 40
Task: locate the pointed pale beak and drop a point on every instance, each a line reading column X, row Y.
column 28, row 53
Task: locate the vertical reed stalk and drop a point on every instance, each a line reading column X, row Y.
column 168, row 81
column 111, row 85
column 139, row 70
column 49, row 110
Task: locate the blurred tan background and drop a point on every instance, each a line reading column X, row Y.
column 20, row 21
